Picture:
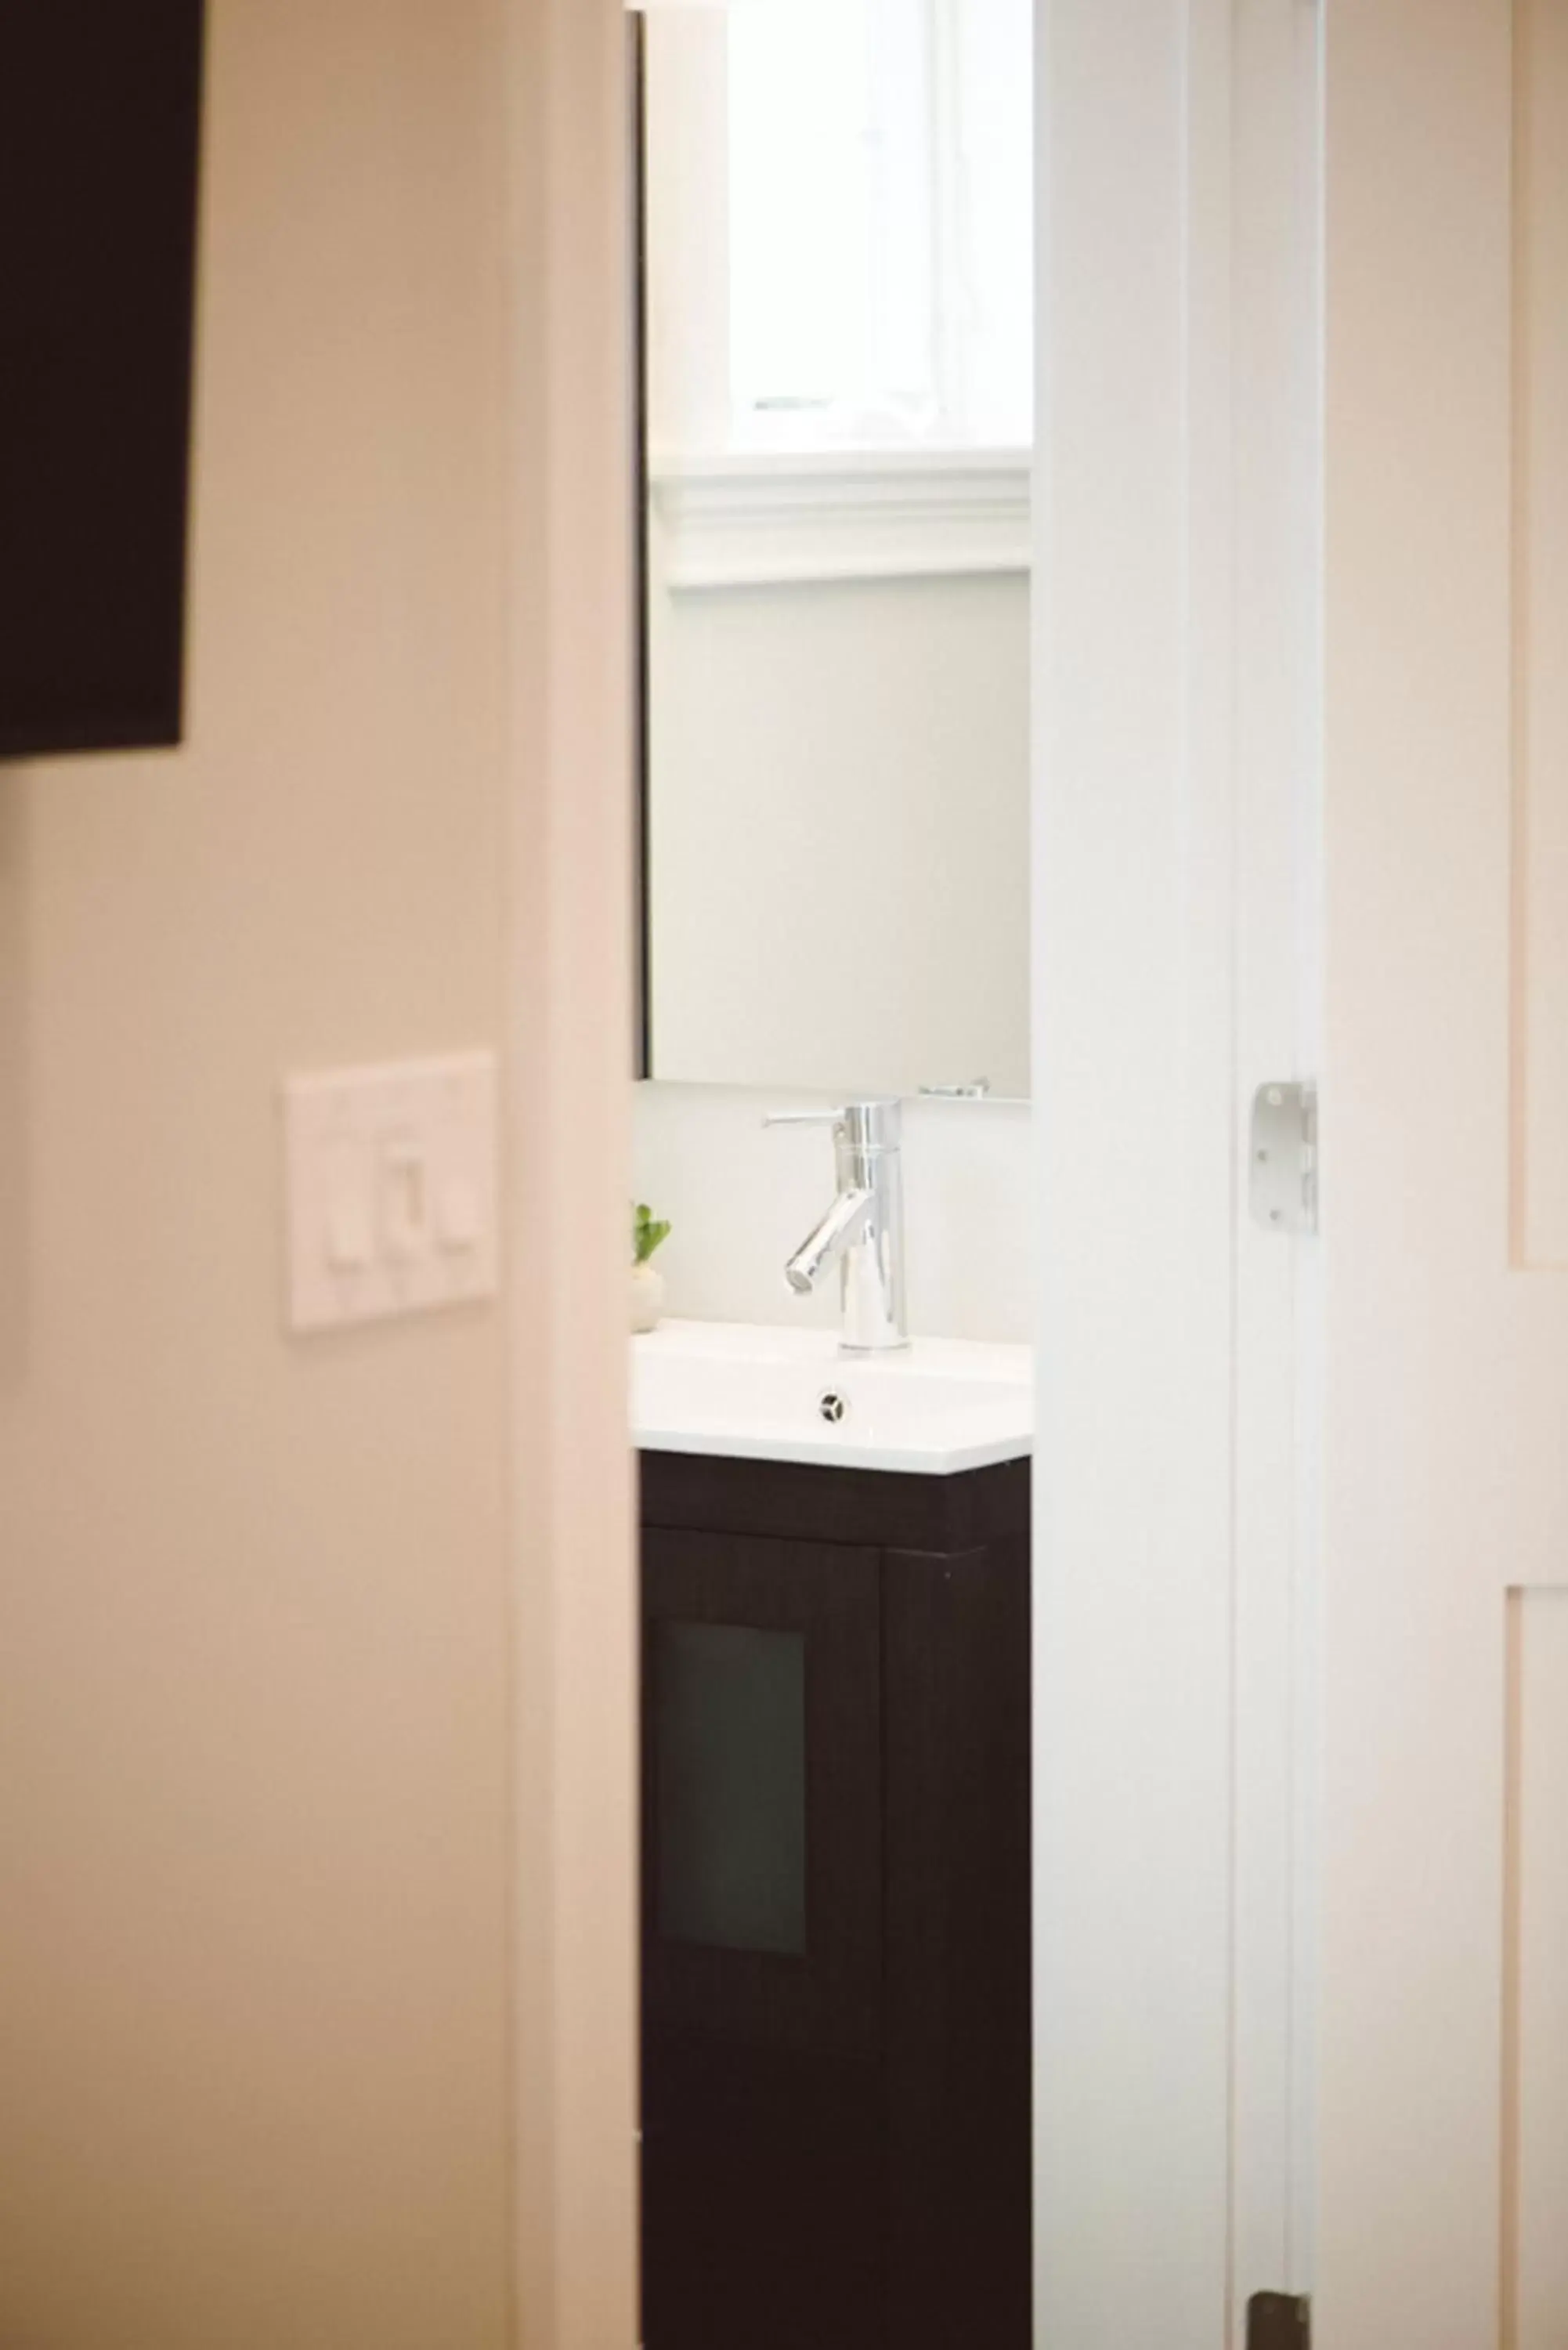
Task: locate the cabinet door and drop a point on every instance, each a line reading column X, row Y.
column 763, row 2082
column 956, row 1875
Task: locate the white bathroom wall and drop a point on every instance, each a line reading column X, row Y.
column 740, row 1197
column 839, row 831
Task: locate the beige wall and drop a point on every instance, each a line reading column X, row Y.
column 254, row 1620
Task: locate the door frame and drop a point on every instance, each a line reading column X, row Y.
column 1177, row 672
column 1175, row 1568
column 568, row 1018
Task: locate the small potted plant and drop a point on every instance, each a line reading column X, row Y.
column 646, row 1285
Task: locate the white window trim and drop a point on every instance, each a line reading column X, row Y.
column 760, row 520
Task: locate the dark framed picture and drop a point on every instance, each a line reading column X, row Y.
column 100, row 145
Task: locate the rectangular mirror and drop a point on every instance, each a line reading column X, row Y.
column 838, row 328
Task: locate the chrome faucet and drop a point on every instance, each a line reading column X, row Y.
column 863, row 1231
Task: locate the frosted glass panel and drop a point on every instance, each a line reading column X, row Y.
column 729, row 1728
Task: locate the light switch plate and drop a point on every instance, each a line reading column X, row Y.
column 391, row 1190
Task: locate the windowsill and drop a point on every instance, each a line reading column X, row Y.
column 765, row 519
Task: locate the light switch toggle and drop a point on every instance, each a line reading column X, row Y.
column 349, row 1242
column 460, row 1225
column 405, row 1200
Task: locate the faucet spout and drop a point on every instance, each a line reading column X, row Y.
column 839, row 1229
column 863, row 1232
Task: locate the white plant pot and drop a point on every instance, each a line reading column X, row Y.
column 646, row 1297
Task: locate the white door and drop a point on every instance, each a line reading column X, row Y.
column 1174, row 936
column 1444, row 2017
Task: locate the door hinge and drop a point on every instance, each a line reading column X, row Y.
column 1279, row 2321
column 1283, row 1156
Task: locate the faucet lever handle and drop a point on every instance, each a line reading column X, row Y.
column 867, row 1126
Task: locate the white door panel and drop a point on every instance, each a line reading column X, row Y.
column 1535, row 2114
column 1444, row 2110
column 1540, row 513
column 1176, row 673
column 1133, row 931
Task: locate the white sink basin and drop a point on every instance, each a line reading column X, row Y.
column 751, row 1393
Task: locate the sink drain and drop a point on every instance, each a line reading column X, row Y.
column 832, row 1407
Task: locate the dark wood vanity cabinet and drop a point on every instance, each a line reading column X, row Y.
column 835, row 1907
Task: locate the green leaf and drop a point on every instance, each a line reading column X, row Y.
column 648, row 1234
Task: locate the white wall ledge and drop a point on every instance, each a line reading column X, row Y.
column 771, row 519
